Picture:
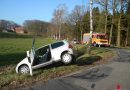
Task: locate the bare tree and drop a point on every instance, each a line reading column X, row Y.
column 7, row 25
column 76, row 14
column 77, row 17
column 59, row 16
column 53, row 29
column 36, row 27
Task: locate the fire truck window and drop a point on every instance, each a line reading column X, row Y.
column 98, row 37
column 103, row 37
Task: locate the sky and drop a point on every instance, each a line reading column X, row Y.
column 21, row 10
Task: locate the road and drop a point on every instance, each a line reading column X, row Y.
column 115, row 75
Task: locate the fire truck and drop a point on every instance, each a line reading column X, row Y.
column 98, row 39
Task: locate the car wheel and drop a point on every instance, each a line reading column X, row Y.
column 24, row 69
column 67, row 58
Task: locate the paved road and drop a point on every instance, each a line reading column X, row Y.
column 115, row 74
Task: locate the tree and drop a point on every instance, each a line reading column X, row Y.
column 51, row 30
column 7, row 25
column 36, row 27
column 128, row 17
column 104, row 4
column 96, row 14
column 99, row 20
column 76, row 19
column 86, row 22
column 113, row 17
column 123, row 4
column 124, row 30
column 59, row 17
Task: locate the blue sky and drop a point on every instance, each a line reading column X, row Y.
column 20, row 10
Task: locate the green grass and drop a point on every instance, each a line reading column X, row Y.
column 13, row 50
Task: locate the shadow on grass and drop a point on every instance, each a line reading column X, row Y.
column 88, row 60
column 11, row 59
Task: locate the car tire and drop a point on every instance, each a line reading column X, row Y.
column 24, row 69
column 67, row 58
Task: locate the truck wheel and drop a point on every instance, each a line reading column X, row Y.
column 67, row 58
column 24, row 69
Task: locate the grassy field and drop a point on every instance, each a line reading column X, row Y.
column 12, row 50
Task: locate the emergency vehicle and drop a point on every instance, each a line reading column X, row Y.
column 98, row 39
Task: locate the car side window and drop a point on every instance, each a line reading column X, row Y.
column 42, row 50
column 58, row 44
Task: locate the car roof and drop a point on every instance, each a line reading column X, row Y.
column 65, row 41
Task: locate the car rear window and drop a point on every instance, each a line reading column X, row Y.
column 58, row 44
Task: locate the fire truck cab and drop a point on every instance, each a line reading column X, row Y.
column 98, row 39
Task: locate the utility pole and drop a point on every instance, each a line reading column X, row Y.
column 91, row 26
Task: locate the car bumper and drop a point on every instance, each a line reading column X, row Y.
column 103, row 44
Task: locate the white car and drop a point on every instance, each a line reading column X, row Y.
column 46, row 55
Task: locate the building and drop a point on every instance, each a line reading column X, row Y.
column 19, row 30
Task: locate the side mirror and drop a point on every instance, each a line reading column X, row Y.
column 27, row 53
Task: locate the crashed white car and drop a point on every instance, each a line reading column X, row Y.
column 46, row 55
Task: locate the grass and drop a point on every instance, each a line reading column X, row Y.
column 12, row 50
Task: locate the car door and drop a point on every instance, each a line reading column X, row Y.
column 56, row 50
column 32, row 52
column 31, row 55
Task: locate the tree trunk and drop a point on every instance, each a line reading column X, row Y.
column 56, row 36
column 81, row 31
column 119, row 32
column 81, row 35
column 111, row 31
column 106, row 15
column 127, row 35
column 119, row 25
column 106, row 23
column 59, row 31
